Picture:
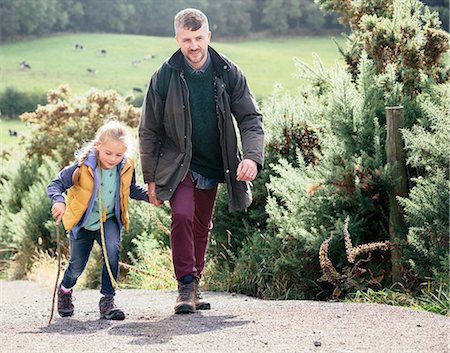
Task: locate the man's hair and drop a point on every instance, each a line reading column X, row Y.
column 191, row 19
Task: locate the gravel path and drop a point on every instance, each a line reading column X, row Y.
column 236, row 323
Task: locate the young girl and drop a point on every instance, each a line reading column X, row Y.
column 100, row 181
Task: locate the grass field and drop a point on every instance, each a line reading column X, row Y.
column 54, row 61
column 12, row 148
column 15, row 125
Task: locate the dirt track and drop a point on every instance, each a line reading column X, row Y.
column 235, row 324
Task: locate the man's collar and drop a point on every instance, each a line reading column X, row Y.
column 202, row 69
column 218, row 62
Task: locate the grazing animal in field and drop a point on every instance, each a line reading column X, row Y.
column 13, row 132
column 92, row 72
column 102, row 52
column 137, row 90
column 149, row 57
column 78, row 46
column 136, row 62
column 24, row 65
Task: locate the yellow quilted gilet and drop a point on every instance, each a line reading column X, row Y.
column 80, row 193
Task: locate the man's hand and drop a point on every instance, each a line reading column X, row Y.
column 152, row 195
column 58, row 210
column 246, row 170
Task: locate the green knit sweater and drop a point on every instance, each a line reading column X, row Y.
column 206, row 151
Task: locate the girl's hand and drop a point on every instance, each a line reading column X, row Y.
column 58, row 210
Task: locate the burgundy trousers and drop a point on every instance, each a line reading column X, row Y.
column 192, row 211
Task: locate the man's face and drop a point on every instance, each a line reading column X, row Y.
column 194, row 45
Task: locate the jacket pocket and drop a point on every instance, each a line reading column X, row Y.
column 168, row 164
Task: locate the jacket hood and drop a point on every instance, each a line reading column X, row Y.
column 91, row 160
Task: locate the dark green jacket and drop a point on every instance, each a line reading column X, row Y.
column 165, row 128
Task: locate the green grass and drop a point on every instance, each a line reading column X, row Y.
column 267, row 62
column 435, row 301
column 12, row 148
column 53, row 61
column 8, row 141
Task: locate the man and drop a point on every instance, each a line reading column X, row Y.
column 188, row 145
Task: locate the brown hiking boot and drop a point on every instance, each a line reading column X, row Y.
column 185, row 300
column 200, row 304
column 65, row 305
column 109, row 310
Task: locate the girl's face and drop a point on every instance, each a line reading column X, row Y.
column 110, row 153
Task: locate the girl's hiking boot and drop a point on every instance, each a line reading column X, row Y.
column 185, row 300
column 109, row 310
column 200, row 304
column 65, row 306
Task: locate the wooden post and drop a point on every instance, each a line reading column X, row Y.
column 396, row 159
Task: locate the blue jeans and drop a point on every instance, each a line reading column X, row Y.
column 81, row 247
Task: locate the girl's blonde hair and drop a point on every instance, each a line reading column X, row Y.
column 111, row 130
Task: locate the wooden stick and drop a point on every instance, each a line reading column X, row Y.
column 58, row 249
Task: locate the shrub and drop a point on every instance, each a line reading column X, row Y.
column 66, row 123
column 152, row 265
column 427, row 207
column 28, row 228
column 403, row 37
column 61, row 127
column 20, row 183
column 347, row 175
column 14, row 102
column 337, row 170
column 145, row 221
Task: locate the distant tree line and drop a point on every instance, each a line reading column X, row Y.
column 228, row 18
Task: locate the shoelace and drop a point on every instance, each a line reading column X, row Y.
column 66, row 299
column 108, row 303
column 185, row 292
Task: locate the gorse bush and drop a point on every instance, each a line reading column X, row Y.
column 66, row 123
column 401, row 37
